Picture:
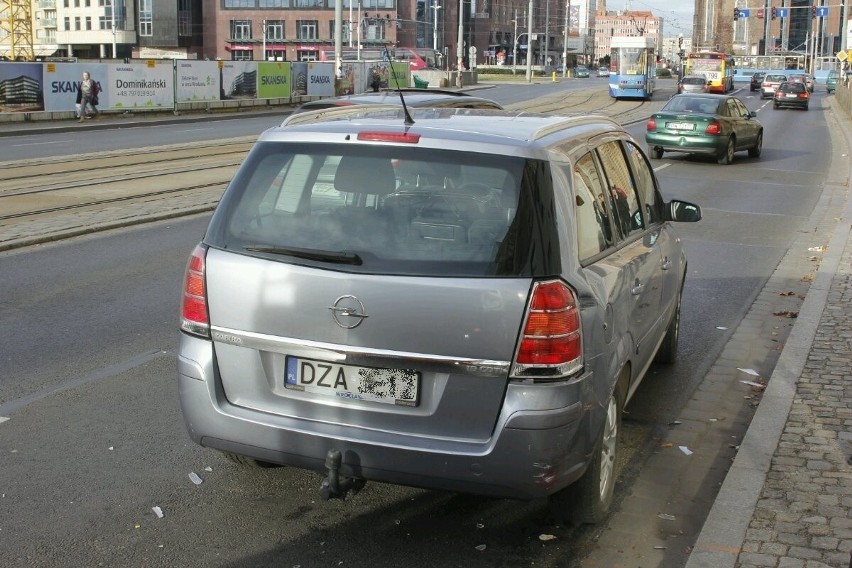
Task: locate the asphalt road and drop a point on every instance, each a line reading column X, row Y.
column 95, row 439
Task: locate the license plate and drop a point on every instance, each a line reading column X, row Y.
column 791, row 95
column 680, row 126
column 387, row 386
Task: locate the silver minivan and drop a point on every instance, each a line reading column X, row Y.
column 453, row 299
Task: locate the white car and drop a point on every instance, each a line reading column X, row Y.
column 603, row 72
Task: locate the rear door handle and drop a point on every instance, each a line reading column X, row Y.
column 666, row 263
column 637, row 287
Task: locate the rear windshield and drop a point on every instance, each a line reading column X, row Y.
column 694, row 81
column 775, row 78
column 391, row 210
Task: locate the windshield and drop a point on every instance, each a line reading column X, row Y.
column 390, row 210
column 631, row 61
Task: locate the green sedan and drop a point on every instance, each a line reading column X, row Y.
column 719, row 125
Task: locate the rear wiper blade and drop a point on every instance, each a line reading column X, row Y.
column 342, row 257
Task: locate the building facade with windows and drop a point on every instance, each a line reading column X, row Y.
column 625, row 24
column 169, row 29
column 293, row 30
column 95, row 29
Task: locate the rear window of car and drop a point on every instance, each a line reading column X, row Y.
column 792, row 88
column 694, row 81
column 391, row 210
column 775, row 78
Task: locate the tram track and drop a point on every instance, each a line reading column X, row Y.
column 43, row 199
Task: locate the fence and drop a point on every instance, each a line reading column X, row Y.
column 48, row 91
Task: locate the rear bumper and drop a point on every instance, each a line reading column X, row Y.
column 532, row 454
column 681, row 143
column 791, row 103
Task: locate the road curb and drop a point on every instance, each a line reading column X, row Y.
column 720, row 542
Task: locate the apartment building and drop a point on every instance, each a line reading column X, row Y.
column 625, row 23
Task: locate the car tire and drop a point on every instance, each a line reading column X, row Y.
column 754, row 151
column 667, row 353
column 587, row 500
column 249, row 462
column 727, row 155
column 657, row 152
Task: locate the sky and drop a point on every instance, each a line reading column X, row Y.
column 676, row 14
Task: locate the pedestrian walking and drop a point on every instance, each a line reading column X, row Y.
column 87, row 95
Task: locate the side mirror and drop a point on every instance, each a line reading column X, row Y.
column 682, row 211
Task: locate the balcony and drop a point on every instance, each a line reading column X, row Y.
column 46, row 4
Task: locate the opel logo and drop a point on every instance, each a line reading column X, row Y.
column 348, row 312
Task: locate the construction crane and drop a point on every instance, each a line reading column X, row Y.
column 16, row 29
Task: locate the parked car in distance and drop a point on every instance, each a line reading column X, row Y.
column 603, row 71
column 756, row 80
column 458, row 299
column 792, row 94
column 770, row 83
column 693, row 84
column 427, row 98
column 581, row 71
column 831, row 81
column 718, row 125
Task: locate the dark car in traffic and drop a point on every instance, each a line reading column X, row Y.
column 719, row 125
column 792, row 94
column 756, row 81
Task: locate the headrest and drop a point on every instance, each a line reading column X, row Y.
column 373, row 176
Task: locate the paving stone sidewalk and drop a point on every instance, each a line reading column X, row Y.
column 787, row 500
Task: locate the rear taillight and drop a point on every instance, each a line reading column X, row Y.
column 713, row 128
column 193, row 306
column 803, row 95
column 551, row 343
column 652, row 124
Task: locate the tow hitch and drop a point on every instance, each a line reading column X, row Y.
column 336, row 486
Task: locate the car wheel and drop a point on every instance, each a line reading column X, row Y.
column 588, row 499
column 657, row 152
column 754, row 151
column 667, row 353
column 727, row 156
column 249, row 462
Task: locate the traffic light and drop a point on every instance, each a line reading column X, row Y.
column 773, row 12
column 736, row 13
column 680, row 41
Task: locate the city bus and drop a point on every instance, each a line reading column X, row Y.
column 633, row 67
column 718, row 67
column 417, row 57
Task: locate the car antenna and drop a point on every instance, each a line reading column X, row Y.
column 408, row 120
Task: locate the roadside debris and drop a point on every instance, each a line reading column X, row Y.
column 754, row 384
column 481, row 547
column 666, row 517
column 820, row 248
column 158, row 511
column 721, row 327
column 787, row 293
column 685, row 450
column 751, row 372
column 786, row 313
column 194, row 478
column 546, row 537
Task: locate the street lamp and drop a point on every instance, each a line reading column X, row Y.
column 460, row 45
column 435, row 8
